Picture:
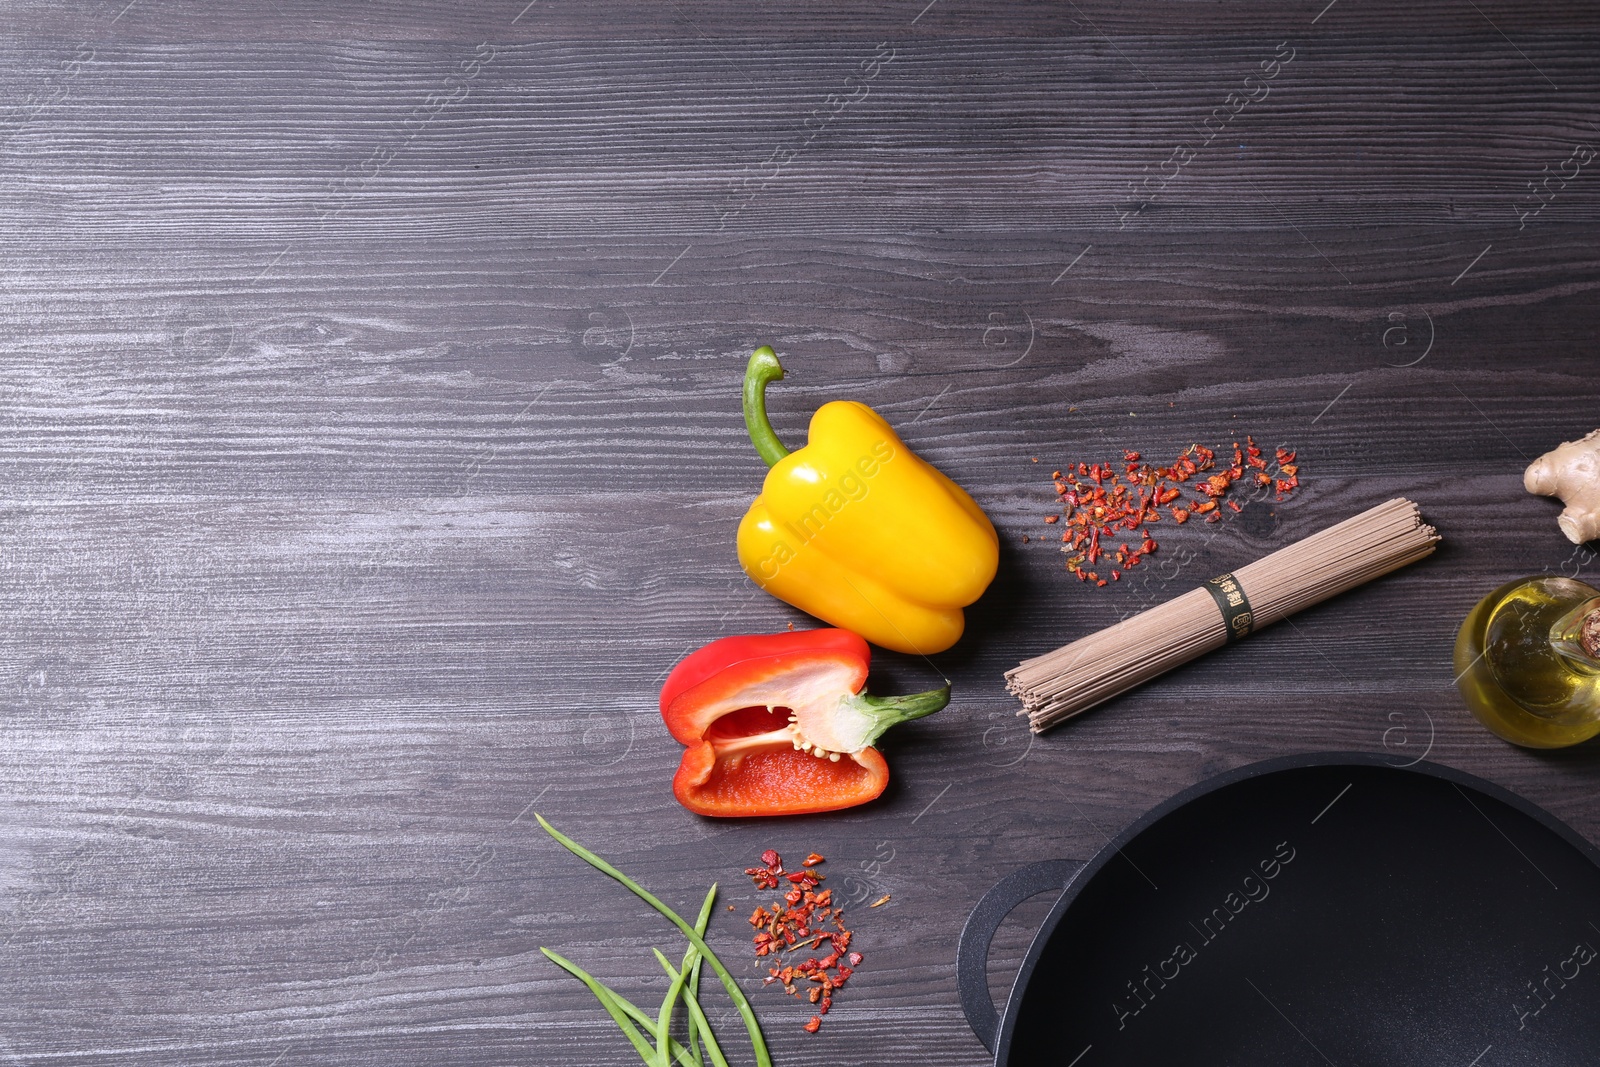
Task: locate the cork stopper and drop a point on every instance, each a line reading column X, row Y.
column 1589, row 634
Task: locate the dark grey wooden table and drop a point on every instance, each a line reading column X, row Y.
column 372, row 449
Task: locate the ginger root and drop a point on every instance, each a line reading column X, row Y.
column 1571, row 472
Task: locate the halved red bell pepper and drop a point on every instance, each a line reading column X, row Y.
column 777, row 724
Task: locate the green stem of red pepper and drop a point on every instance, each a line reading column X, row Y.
column 762, row 368
column 892, row 711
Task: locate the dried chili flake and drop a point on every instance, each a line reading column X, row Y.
column 802, row 921
column 1098, row 504
column 764, row 879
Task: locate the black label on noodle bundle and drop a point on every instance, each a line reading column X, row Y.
column 1237, row 618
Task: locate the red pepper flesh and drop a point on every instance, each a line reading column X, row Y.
column 777, row 724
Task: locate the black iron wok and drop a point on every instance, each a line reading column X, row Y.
column 1320, row 910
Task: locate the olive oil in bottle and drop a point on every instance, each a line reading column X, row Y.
column 1527, row 662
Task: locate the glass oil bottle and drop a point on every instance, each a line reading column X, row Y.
column 1527, row 662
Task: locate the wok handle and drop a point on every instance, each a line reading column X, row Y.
column 972, row 953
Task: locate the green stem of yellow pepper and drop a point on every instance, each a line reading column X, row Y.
column 763, row 368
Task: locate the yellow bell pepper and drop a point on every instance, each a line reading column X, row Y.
column 859, row 531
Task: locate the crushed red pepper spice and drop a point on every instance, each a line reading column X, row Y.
column 1098, row 501
column 800, row 923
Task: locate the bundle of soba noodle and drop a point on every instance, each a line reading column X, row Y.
column 1074, row 678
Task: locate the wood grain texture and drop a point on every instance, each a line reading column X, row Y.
column 372, row 450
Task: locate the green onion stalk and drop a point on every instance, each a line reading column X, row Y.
column 629, row 1018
